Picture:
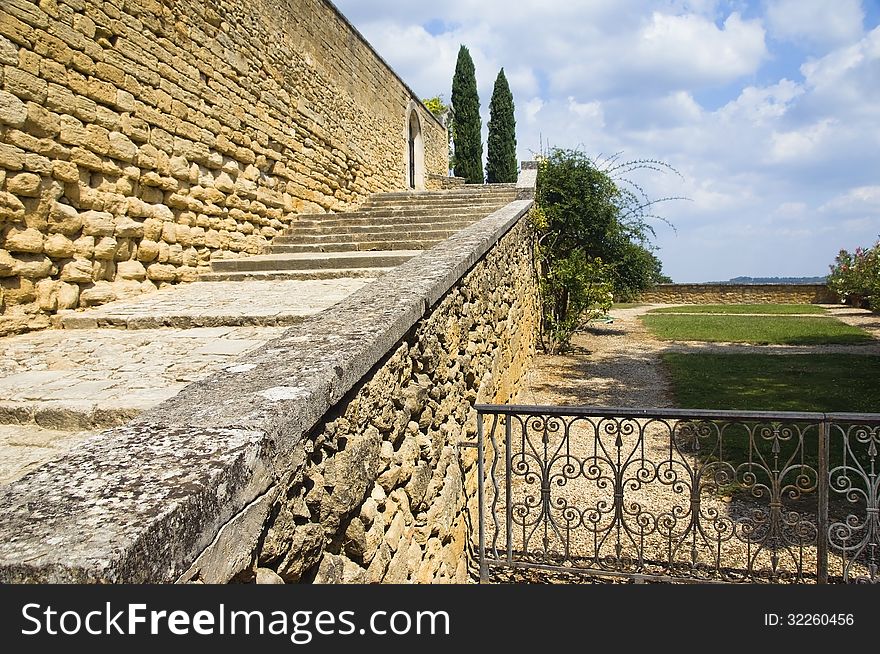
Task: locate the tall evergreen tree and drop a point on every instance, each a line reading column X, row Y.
column 466, row 109
column 501, row 164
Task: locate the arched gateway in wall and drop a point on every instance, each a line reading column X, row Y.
column 414, row 155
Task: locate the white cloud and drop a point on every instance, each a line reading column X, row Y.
column 591, row 111
column 698, row 49
column 820, row 22
column 762, row 105
column 533, row 108
column 861, row 199
column 796, row 145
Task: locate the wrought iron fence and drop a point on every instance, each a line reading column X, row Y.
column 714, row 496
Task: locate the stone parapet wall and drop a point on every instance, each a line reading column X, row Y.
column 383, row 496
column 740, row 294
column 138, row 140
column 330, row 454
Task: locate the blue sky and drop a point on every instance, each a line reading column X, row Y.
column 769, row 109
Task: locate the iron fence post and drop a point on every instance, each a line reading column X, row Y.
column 508, row 430
column 822, row 516
column 481, row 500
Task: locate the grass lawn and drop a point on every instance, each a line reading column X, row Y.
column 765, row 309
column 758, row 382
column 761, row 330
column 762, row 382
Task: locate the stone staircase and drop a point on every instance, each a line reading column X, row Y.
column 387, row 230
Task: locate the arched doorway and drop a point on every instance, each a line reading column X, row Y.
column 415, row 150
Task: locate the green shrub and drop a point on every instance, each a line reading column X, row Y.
column 593, row 245
column 856, row 277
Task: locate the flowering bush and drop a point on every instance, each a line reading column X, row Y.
column 856, row 277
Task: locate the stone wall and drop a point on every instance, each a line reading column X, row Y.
column 139, row 139
column 329, row 455
column 383, row 497
column 740, row 294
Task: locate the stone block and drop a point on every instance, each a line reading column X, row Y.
column 25, row 85
column 13, row 111
column 7, row 264
column 128, row 228
column 78, row 271
column 41, row 122
column 148, row 250
column 64, row 219
column 85, row 247
column 17, row 290
column 11, row 158
column 160, row 272
column 65, row 171
column 25, row 185
column 131, row 270
column 11, row 208
column 97, row 223
column 67, row 295
column 8, row 52
column 46, row 291
column 59, row 246
column 23, row 240
column 100, row 293
column 121, row 147
column 105, row 248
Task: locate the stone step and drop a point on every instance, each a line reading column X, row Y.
column 356, row 220
column 348, row 237
column 270, row 275
column 357, row 246
column 469, row 190
column 314, row 261
column 402, row 204
column 383, row 228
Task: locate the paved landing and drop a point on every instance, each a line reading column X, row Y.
column 108, row 364
column 212, row 304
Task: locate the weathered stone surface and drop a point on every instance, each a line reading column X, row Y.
column 64, row 219
column 131, row 270
column 97, row 223
column 143, row 127
column 7, row 264
column 78, row 270
column 23, row 240
column 159, row 272
column 68, row 295
column 58, row 246
column 24, row 185
column 83, row 518
column 739, row 294
column 267, row 576
column 12, row 110
column 233, row 548
column 101, row 293
column 336, row 569
column 32, row 266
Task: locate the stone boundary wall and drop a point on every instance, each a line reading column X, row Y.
column 740, row 294
column 329, row 455
column 138, row 140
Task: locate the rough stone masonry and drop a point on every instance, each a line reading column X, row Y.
column 331, row 454
column 139, row 139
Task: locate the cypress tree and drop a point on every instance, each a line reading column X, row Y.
column 466, row 111
column 501, row 164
